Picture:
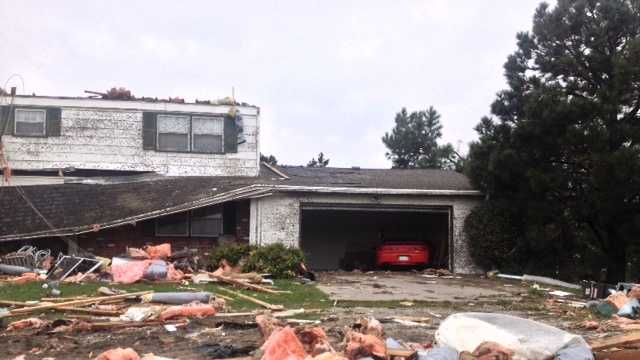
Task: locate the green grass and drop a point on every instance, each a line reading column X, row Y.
column 300, row 296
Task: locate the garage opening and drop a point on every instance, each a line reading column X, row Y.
column 347, row 237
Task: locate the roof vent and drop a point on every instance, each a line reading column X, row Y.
column 355, row 168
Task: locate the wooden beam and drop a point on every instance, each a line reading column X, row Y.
column 254, row 300
column 615, row 341
column 242, row 284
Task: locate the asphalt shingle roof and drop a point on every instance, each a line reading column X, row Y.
column 77, row 206
column 422, row 179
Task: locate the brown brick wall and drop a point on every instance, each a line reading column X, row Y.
column 113, row 242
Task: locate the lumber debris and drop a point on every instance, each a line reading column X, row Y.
column 31, row 309
column 615, row 341
column 241, row 284
column 254, row 300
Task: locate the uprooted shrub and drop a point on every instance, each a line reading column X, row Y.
column 279, row 260
column 231, row 252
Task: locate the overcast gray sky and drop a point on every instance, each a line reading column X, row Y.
column 328, row 75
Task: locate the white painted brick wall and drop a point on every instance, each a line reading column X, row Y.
column 111, row 139
column 277, row 218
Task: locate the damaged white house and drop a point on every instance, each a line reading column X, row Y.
column 115, row 173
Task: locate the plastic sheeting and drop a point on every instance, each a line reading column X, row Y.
column 529, row 339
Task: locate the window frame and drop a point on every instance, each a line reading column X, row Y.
column 190, row 133
column 192, row 142
column 220, row 213
column 189, row 232
column 158, row 133
column 156, row 233
column 15, row 122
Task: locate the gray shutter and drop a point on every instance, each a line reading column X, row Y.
column 6, row 120
column 149, row 131
column 54, row 121
column 230, row 135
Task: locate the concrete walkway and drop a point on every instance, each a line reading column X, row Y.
column 385, row 286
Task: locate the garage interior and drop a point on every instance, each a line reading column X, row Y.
column 346, row 236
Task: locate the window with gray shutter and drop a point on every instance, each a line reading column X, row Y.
column 208, row 134
column 30, row 122
column 173, row 132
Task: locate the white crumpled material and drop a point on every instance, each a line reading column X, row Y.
column 530, row 340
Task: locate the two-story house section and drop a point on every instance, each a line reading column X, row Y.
column 103, row 175
column 175, row 139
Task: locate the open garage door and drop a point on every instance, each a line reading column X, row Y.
column 337, row 236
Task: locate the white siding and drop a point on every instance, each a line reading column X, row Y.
column 111, row 139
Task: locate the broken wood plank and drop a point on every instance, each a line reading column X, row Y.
column 30, row 309
column 128, row 324
column 254, row 300
column 224, row 297
column 13, row 303
column 66, row 308
column 618, row 355
column 242, row 284
column 98, row 312
column 615, row 341
column 56, row 299
column 239, row 314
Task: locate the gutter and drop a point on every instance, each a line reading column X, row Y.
column 381, row 191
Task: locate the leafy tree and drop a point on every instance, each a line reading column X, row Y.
column 564, row 146
column 319, row 163
column 413, row 142
column 271, row 160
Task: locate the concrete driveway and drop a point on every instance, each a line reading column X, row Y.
column 390, row 286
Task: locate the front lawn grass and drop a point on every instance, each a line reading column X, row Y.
column 297, row 295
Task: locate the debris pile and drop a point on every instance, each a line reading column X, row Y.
column 153, row 263
column 461, row 336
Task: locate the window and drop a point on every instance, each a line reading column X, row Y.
column 173, row 225
column 206, row 222
column 173, row 132
column 207, row 134
column 184, row 132
column 30, row 122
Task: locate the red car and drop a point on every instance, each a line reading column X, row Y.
column 403, row 253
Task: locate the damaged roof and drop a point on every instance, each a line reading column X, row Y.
column 75, row 208
column 92, row 203
column 421, row 179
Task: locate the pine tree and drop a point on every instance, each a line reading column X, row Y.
column 413, row 142
column 564, row 146
column 319, row 163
